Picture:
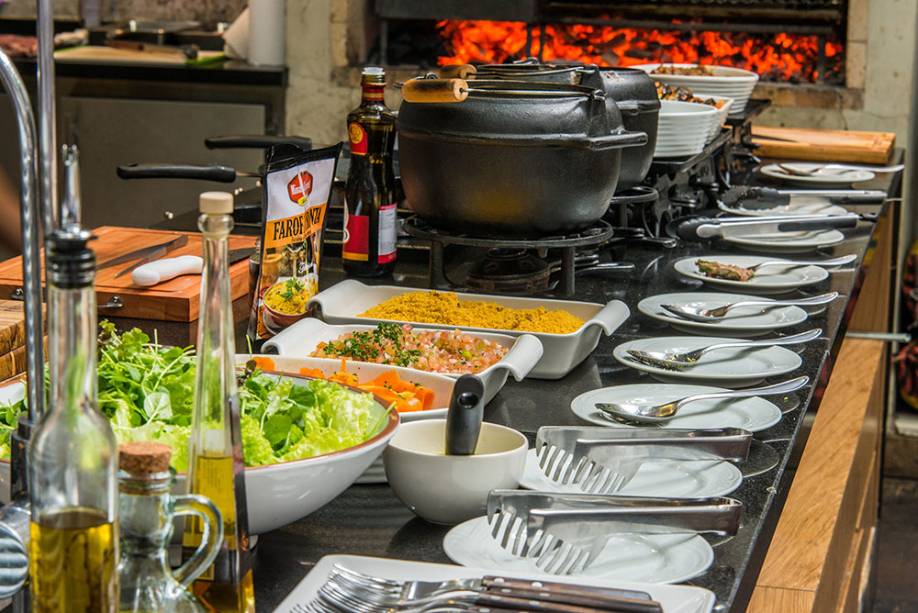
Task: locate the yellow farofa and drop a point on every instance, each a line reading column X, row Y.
column 296, row 305
column 445, row 308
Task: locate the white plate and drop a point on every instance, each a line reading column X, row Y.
column 344, row 302
column 769, row 280
column 741, row 321
column 798, row 205
column 523, row 352
column 654, row 558
column 672, row 598
column 823, row 178
column 789, row 242
column 664, row 478
column 740, row 367
column 752, row 414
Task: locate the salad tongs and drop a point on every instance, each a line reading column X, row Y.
column 604, row 460
column 564, row 533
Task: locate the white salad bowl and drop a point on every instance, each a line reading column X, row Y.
column 725, row 81
column 278, row 494
column 523, row 352
column 683, row 128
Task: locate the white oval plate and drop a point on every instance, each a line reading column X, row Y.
column 769, row 280
column 789, row 242
column 666, row 558
column 740, row 367
column 664, row 478
column 824, row 178
column 741, row 321
column 752, row 414
column 798, row 205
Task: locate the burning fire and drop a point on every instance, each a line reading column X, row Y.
column 777, row 57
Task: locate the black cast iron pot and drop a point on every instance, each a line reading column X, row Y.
column 631, row 90
column 513, row 158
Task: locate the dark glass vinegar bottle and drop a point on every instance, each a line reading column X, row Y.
column 370, row 219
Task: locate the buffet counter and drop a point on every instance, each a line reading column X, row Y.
column 807, row 527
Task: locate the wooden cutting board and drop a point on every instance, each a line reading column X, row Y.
column 12, row 325
column 824, row 145
column 111, row 55
column 14, row 362
column 175, row 300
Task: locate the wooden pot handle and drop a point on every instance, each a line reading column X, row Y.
column 458, row 71
column 435, row 90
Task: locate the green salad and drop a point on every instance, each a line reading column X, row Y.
column 147, row 391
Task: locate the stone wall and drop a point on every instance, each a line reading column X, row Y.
column 206, row 11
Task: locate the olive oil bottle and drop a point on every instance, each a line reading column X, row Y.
column 370, row 208
column 73, row 549
column 215, row 455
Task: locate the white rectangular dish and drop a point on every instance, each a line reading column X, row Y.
column 344, row 302
column 672, row 598
column 302, row 338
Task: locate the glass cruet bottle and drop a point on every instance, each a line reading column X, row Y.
column 215, row 465
column 146, row 509
column 73, row 549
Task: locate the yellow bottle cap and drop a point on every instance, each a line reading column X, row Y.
column 216, row 203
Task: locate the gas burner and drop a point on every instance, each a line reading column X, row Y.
column 512, row 265
column 510, row 271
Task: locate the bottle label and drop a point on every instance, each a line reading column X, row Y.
column 357, row 236
column 358, row 138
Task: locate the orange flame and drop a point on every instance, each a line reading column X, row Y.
column 778, row 56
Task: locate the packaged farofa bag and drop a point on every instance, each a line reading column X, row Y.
column 297, row 186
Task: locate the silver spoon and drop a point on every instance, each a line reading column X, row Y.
column 702, row 315
column 809, row 172
column 687, row 359
column 653, row 414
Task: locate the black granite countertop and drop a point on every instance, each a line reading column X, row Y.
column 370, row 520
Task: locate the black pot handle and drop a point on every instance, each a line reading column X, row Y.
column 256, row 141
column 639, row 194
column 214, row 172
column 618, row 140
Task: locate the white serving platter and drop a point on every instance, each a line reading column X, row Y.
column 672, row 598
column 726, row 81
column 343, row 303
column 523, row 352
column 769, row 280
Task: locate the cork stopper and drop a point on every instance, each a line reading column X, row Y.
column 216, row 203
column 144, row 458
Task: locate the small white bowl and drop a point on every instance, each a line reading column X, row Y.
column 444, row 489
column 683, row 128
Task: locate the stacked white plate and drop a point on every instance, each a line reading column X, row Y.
column 683, row 128
column 726, row 81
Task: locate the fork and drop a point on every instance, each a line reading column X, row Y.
column 373, row 593
column 687, row 359
column 685, row 311
column 804, row 172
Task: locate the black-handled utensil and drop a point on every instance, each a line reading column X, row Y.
column 200, row 172
column 256, row 141
column 463, row 420
column 763, row 198
column 695, row 228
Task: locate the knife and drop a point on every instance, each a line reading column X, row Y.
column 155, row 254
column 158, row 271
column 708, row 227
column 170, row 244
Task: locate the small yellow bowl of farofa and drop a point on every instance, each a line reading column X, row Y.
column 569, row 330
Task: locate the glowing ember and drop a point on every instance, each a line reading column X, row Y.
column 777, row 57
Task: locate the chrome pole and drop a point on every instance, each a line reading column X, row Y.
column 47, row 128
column 31, row 232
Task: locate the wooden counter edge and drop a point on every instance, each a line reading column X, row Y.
column 818, row 543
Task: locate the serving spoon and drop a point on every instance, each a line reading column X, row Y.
column 654, row 414
column 687, row 359
column 713, row 315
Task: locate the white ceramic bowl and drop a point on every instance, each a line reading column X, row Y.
column 721, row 116
column 281, row 493
column 451, row 489
column 523, row 352
column 726, row 81
column 683, row 128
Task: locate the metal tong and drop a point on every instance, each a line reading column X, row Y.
column 603, row 461
column 565, row 533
